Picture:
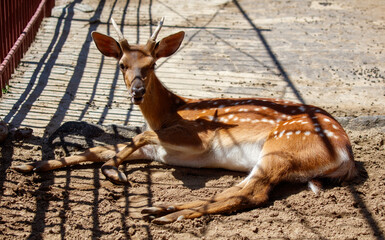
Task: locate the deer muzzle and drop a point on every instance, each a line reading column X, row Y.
column 137, row 91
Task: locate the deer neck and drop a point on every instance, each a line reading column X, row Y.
column 159, row 106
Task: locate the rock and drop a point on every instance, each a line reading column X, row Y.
column 21, row 133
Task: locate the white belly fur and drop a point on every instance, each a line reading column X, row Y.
column 237, row 157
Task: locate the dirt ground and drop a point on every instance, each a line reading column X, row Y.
column 79, row 203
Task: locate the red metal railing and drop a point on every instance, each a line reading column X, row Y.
column 19, row 23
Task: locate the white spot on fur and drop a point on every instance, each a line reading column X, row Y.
column 317, row 129
column 225, row 120
column 227, row 109
column 328, row 133
column 231, row 116
column 288, row 134
column 236, row 119
column 221, row 106
column 334, row 126
column 326, row 119
column 281, row 134
column 307, row 133
column 302, row 108
column 297, row 132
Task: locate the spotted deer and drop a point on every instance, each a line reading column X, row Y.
column 271, row 139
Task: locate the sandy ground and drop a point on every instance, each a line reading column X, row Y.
column 325, row 53
column 78, row 202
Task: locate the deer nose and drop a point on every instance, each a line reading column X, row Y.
column 137, row 89
column 138, row 92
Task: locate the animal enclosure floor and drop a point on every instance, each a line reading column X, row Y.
column 326, row 53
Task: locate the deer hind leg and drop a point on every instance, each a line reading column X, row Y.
column 251, row 192
column 165, row 209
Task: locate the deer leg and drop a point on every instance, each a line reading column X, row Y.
column 110, row 168
column 253, row 193
column 250, row 193
column 165, row 209
column 95, row 154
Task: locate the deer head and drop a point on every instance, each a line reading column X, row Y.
column 137, row 62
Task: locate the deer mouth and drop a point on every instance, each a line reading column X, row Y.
column 137, row 100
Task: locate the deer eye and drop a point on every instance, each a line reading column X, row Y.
column 122, row 66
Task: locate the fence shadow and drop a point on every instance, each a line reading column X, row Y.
column 91, row 133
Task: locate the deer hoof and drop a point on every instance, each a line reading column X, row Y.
column 177, row 216
column 172, row 217
column 163, row 220
column 114, row 175
column 24, row 168
column 157, row 211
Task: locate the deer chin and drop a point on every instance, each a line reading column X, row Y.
column 137, row 100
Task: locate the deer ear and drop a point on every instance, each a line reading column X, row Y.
column 168, row 45
column 107, row 45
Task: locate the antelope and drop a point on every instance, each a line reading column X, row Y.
column 271, row 139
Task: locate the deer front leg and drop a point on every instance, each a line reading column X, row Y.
column 95, row 154
column 110, row 168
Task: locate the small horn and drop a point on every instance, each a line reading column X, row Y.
column 117, row 30
column 122, row 41
column 157, row 30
